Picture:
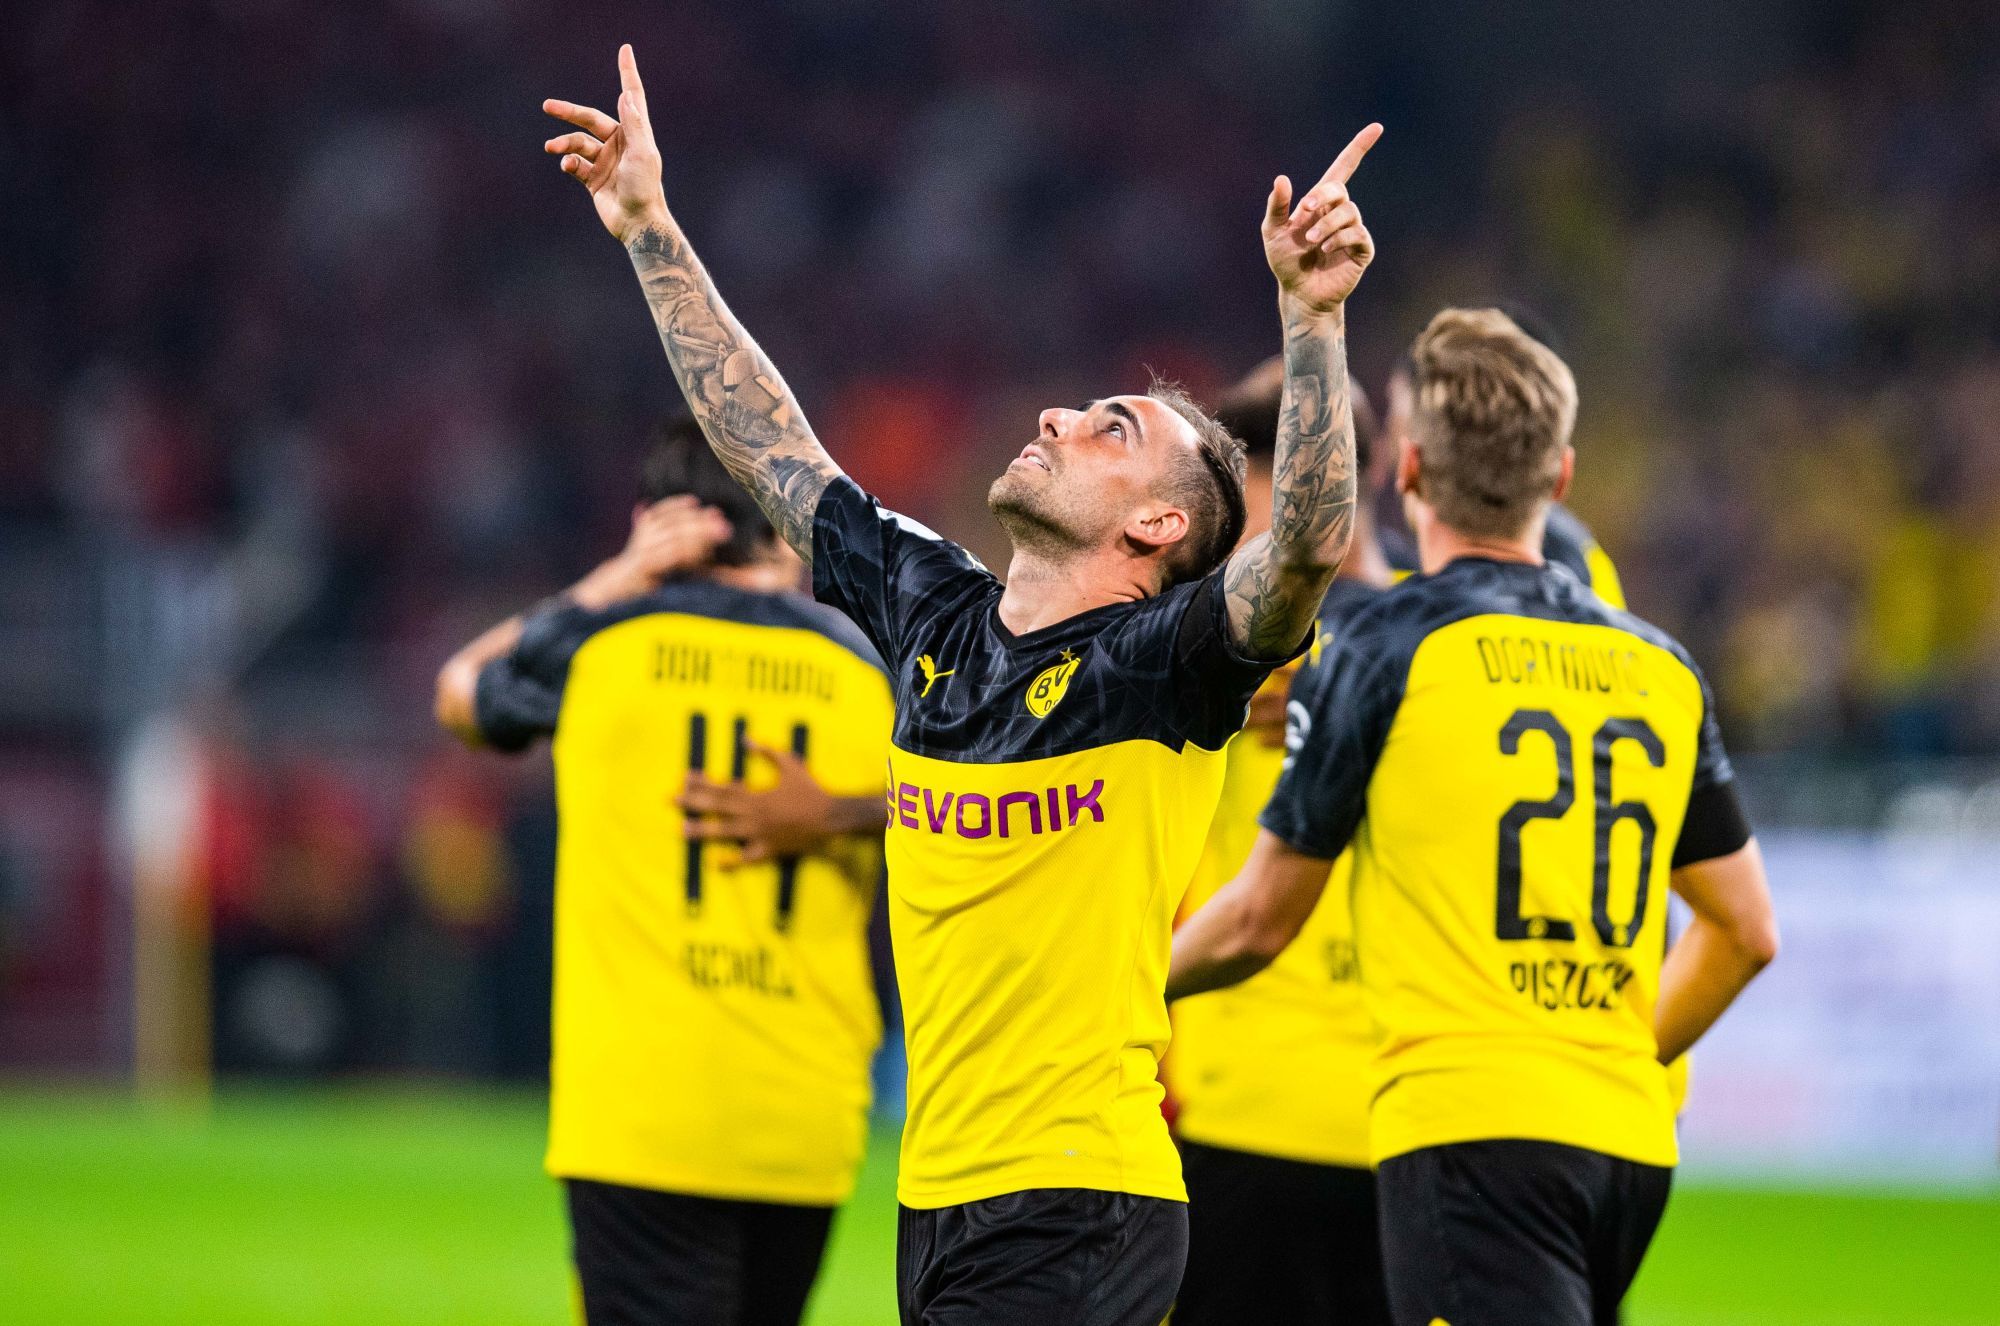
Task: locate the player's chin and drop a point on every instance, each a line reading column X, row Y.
column 1017, row 489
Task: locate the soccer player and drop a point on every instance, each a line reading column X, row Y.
column 715, row 1016
column 1566, row 542
column 1522, row 772
column 1270, row 1076
column 1058, row 745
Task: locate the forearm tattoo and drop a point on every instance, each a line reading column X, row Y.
column 734, row 391
column 1275, row 582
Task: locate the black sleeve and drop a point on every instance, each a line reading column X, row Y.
column 1213, row 679
column 1336, row 723
column 1715, row 824
column 882, row 569
column 518, row 696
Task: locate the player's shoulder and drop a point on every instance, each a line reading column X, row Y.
column 851, row 523
column 1400, row 618
column 1478, row 587
column 1379, row 624
column 711, row 600
column 785, row 610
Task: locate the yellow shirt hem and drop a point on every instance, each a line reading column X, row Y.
column 1391, row 1141
column 922, row 1198
column 695, row 1184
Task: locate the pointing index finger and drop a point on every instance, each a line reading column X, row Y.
column 628, row 76
column 1344, row 165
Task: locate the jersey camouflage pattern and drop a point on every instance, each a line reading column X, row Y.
column 1517, row 767
column 1048, row 797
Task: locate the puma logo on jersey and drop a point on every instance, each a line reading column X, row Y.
column 1046, row 691
column 931, row 673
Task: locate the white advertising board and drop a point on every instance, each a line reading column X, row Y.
column 1871, row 1049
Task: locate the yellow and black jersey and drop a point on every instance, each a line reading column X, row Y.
column 1517, row 766
column 1278, row 1065
column 1566, row 542
column 714, row 1021
column 1048, row 797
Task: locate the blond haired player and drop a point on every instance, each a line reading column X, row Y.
column 1522, row 772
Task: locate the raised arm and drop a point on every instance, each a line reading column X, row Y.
column 1317, row 250
column 734, row 390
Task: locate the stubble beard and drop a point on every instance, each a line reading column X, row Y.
column 1032, row 516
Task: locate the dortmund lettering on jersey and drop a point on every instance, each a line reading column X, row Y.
column 714, row 1021
column 1278, row 1065
column 1046, row 812
column 1517, row 767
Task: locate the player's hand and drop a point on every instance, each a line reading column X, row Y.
column 668, row 537
column 1266, row 724
column 674, row 535
column 1319, row 249
column 795, row 817
column 617, row 160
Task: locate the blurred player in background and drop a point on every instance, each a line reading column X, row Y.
column 1058, row 748
column 1510, row 939
column 715, row 1010
column 1271, row 1076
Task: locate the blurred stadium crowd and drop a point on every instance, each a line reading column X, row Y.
column 311, row 365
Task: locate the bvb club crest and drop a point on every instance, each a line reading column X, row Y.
column 1046, row 691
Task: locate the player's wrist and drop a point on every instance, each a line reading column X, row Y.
column 651, row 218
column 1298, row 311
column 614, row 579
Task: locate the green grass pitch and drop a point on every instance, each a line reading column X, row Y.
column 415, row 1208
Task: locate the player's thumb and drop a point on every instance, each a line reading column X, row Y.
column 1279, row 205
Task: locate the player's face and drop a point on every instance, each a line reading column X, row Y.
column 1088, row 472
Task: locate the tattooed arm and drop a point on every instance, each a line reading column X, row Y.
column 735, row 392
column 733, row 388
column 1318, row 251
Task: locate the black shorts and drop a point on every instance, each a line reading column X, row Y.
column 645, row 1257
column 1047, row 1256
column 1273, row 1240
column 1505, row 1232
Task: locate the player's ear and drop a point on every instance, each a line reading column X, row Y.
column 1157, row 525
column 1566, row 473
column 1409, row 469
